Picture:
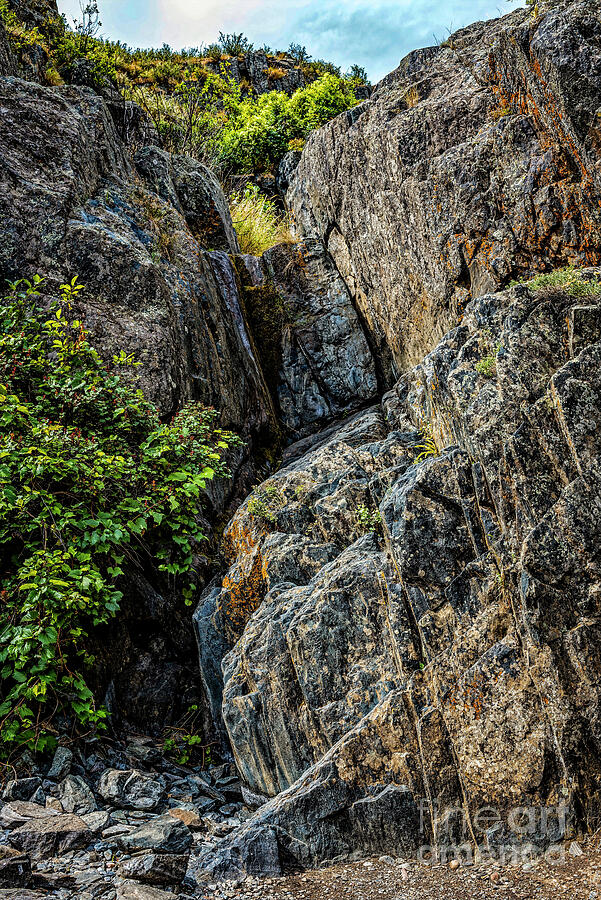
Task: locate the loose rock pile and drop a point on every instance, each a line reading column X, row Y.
column 119, row 823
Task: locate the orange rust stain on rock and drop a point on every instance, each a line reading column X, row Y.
column 241, row 596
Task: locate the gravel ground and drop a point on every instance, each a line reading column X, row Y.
column 577, row 878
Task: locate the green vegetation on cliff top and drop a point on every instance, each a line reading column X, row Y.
column 192, row 96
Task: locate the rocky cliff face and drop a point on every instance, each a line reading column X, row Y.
column 450, row 656
column 474, row 162
column 412, row 601
column 407, row 627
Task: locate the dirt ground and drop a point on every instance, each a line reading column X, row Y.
column 578, row 878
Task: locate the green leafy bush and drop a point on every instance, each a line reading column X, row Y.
column 321, row 101
column 19, row 36
column 92, row 485
column 63, row 45
column 299, row 53
column 184, row 743
column 487, row 366
column 318, row 67
column 258, row 131
column 214, row 52
column 235, row 134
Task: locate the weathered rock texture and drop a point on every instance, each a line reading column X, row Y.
column 8, row 63
column 149, row 289
column 451, row 657
column 383, row 687
column 314, row 353
column 473, row 162
column 408, row 623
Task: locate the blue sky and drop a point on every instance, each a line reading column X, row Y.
column 372, row 33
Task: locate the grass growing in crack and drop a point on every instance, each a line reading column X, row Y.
column 427, row 446
column 258, row 222
column 569, row 280
column 487, row 366
column 265, row 503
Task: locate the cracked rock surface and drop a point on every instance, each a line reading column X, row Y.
column 442, row 651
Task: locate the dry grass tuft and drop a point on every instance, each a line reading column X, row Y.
column 258, row 222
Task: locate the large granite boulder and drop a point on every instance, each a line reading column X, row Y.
column 75, row 795
column 21, row 788
column 19, row 812
column 156, row 868
column 475, row 161
column 132, row 890
column 385, row 688
column 15, row 870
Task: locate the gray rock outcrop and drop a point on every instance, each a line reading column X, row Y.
column 449, row 658
column 33, row 12
column 8, row 63
column 474, row 162
column 311, row 345
column 260, row 73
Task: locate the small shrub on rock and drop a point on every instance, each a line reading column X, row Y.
column 265, row 503
column 369, row 519
column 234, row 44
column 214, row 52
